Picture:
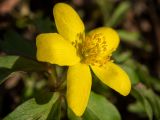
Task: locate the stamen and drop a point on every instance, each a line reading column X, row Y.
column 94, row 50
column 78, row 43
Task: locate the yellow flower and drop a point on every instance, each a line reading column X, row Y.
column 71, row 47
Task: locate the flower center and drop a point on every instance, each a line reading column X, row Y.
column 92, row 49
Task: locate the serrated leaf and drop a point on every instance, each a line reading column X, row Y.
column 33, row 109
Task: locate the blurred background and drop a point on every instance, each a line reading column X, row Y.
column 138, row 25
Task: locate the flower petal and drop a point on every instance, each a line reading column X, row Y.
column 113, row 76
column 111, row 37
column 52, row 48
column 68, row 22
column 78, row 87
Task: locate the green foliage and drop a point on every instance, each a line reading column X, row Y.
column 20, row 63
column 55, row 112
column 33, row 109
column 129, row 36
column 11, row 64
column 99, row 108
column 147, row 102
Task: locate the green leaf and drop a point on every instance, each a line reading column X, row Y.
column 154, row 100
column 20, row 63
column 121, row 57
column 129, row 36
column 15, row 44
column 135, row 39
column 147, row 99
column 55, row 113
column 9, row 65
column 99, row 108
column 136, row 107
column 72, row 116
column 118, row 14
column 35, row 109
column 148, row 109
column 7, row 61
column 155, row 83
column 132, row 38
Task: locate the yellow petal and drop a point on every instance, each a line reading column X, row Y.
column 68, row 22
column 113, row 76
column 78, row 87
column 52, row 48
column 110, row 36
